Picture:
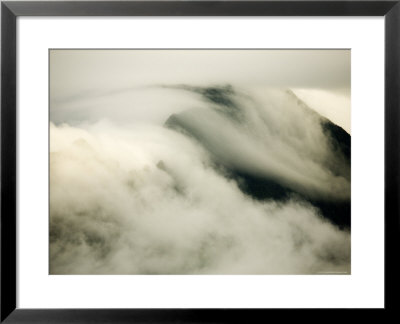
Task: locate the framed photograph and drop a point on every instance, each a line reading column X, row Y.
column 198, row 161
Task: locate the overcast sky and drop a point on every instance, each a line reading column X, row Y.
column 319, row 77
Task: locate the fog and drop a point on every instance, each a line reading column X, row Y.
column 141, row 163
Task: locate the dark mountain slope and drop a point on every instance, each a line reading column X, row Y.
column 223, row 100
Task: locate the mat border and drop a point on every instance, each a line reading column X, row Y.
column 10, row 10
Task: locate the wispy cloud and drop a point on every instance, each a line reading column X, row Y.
column 141, row 198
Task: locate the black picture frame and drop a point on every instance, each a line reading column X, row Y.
column 10, row 10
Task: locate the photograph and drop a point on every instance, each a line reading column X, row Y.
column 199, row 161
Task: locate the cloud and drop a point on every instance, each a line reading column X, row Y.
column 139, row 198
column 334, row 105
column 150, row 174
column 275, row 136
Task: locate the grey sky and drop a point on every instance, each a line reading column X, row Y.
column 78, row 70
column 76, row 74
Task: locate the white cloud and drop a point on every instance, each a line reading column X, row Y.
column 130, row 195
column 115, row 208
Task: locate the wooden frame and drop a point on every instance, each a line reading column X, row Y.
column 9, row 13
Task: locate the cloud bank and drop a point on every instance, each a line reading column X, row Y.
column 149, row 189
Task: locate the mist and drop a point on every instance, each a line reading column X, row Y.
column 197, row 173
